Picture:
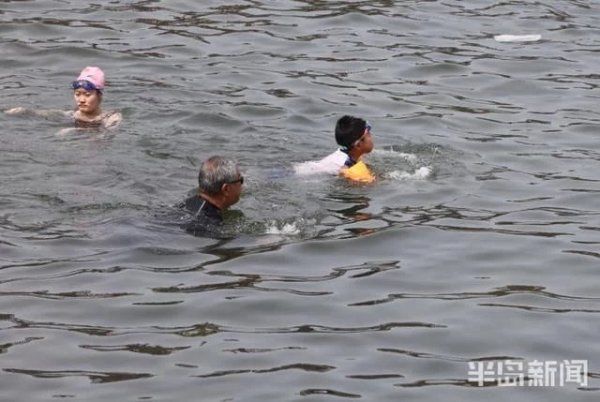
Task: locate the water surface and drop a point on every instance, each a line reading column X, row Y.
column 326, row 290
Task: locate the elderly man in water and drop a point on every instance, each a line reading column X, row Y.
column 219, row 187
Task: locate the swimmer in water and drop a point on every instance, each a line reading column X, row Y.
column 353, row 135
column 87, row 92
column 219, row 187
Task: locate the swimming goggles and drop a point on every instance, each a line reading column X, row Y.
column 367, row 131
column 85, row 84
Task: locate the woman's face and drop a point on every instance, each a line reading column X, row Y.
column 87, row 102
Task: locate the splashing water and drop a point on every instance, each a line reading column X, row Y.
column 409, row 157
column 421, row 173
column 285, row 229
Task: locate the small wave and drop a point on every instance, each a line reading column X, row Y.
column 421, row 173
column 517, row 38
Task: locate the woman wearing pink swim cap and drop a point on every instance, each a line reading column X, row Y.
column 87, row 93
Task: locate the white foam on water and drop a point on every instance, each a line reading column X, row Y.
column 421, row 173
column 287, row 229
column 517, row 38
column 412, row 158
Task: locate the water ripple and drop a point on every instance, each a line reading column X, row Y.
column 96, row 377
column 4, row 347
column 503, row 227
column 319, row 368
column 498, row 292
column 328, row 392
column 155, row 350
column 425, row 355
column 76, row 294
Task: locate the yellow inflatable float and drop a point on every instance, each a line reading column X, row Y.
column 359, row 172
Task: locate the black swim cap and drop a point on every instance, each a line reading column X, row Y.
column 348, row 130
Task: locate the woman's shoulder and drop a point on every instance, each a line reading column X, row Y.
column 111, row 119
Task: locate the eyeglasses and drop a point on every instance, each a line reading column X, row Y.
column 85, row 84
column 240, row 180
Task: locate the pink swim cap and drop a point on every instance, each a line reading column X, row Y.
column 93, row 75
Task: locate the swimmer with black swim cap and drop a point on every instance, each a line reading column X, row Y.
column 353, row 134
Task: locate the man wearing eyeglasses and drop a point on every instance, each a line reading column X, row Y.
column 219, row 187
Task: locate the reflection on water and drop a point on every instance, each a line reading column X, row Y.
column 478, row 241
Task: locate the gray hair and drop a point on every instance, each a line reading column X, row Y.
column 216, row 171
